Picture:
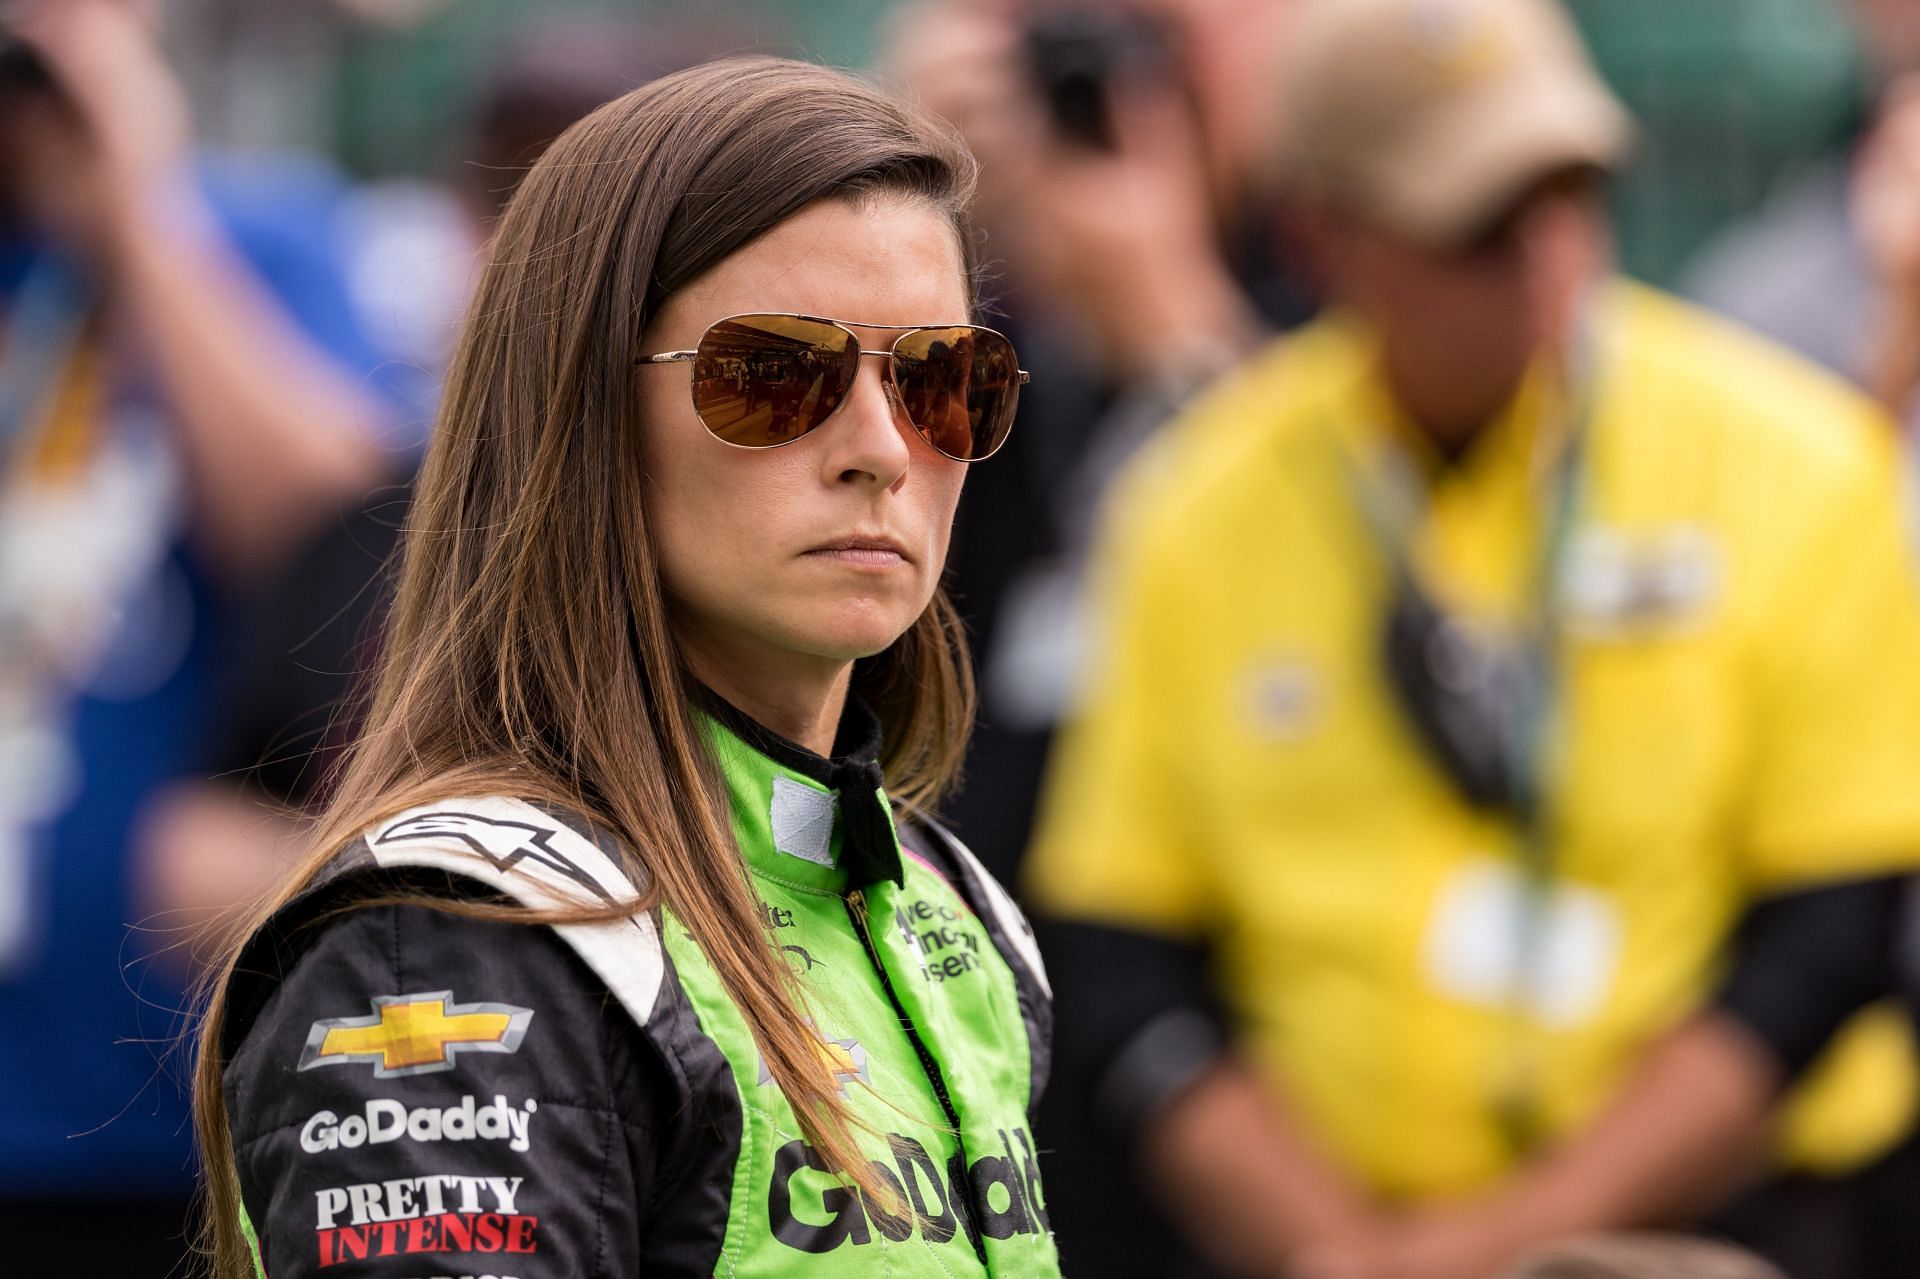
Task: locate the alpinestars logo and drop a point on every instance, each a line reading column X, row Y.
column 502, row 842
column 435, row 1213
column 415, row 1034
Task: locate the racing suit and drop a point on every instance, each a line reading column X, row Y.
column 413, row 1093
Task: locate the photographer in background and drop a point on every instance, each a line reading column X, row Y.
column 184, row 396
column 1123, row 151
column 1124, row 195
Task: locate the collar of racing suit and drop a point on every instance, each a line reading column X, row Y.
column 823, row 818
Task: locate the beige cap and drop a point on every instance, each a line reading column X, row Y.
column 1428, row 115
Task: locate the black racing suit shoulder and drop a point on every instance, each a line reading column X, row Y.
column 413, row 1091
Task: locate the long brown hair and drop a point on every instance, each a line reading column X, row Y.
column 530, row 649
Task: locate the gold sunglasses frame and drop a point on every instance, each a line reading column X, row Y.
column 847, row 327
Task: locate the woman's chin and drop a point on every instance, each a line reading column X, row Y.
column 854, row 632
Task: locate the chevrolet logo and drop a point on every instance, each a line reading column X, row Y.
column 845, row 1059
column 841, row 1061
column 415, row 1034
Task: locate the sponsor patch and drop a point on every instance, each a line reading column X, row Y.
column 1473, row 948
column 434, row 1213
column 1284, row 699
column 382, row 1120
column 844, row 1057
column 997, row 1195
column 801, row 959
column 415, row 1034
column 940, row 937
column 1620, row 584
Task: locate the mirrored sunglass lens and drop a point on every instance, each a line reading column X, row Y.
column 761, row 380
column 960, row 386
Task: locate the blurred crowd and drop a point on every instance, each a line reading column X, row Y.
column 1451, row 704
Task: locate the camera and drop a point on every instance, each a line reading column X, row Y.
column 1459, row 694
column 1077, row 52
column 20, row 66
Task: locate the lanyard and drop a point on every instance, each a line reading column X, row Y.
column 1392, row 500
column 49, row 316
column 1520, row 671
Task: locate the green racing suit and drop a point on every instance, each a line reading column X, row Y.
column 413, row 1092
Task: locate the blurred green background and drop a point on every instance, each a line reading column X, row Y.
column 1735, row 96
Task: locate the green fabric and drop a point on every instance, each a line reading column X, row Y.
column 1732, row 98
column 253, row 1243
column 789, row 1218
column 403, row 95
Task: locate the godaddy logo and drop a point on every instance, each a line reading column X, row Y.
column 387, row 1120
column 997, row 1195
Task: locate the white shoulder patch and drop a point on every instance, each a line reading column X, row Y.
column 513, row 847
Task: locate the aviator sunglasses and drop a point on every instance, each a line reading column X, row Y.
column 767, row 378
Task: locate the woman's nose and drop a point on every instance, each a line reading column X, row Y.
column 867, row 440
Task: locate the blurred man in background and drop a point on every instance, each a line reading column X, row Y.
column 1491, row 807
column 184, row 396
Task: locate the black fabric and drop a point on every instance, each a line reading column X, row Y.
column 867, row 850
column 1804, row 962
column 1451, row 700
column 277, row 947
column 99, row 1238
column 605, row 1126
column 310, row 635
column 1106, row 1220
column 1858, row 1226
column 934, row 844
column 683, row 1222
column 1119, row 985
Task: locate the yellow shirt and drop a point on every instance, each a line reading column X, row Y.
column 1737, row 713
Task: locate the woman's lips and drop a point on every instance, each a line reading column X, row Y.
column 862, row 552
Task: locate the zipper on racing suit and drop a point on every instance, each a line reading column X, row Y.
column 856, row 901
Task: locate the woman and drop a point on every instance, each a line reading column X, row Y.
column 609, row 960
